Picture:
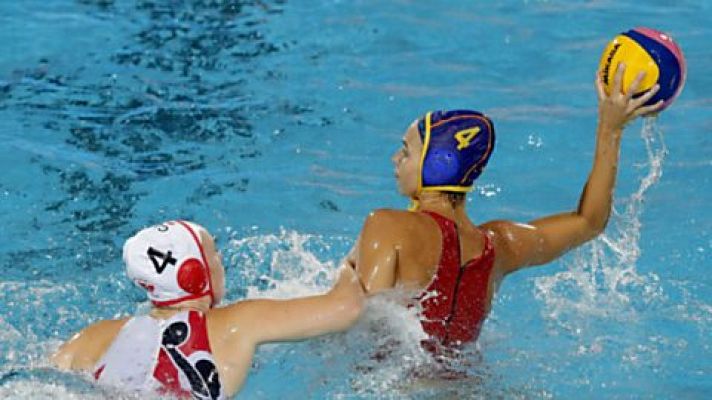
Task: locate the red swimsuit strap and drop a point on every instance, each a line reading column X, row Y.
column 450, row 233
column 447, row 226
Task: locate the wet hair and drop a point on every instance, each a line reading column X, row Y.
column 455, row 198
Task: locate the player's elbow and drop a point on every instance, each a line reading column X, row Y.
column 353, row 310
column 596, row 226
column 596, row 219
column 349, row 310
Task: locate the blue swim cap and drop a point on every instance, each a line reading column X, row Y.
column 456, row 147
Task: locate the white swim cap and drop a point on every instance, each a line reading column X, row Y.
column 168, row 260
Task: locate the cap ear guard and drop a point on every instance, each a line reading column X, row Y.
column 192, row 277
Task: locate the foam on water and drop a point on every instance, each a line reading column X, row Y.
column 43, row 386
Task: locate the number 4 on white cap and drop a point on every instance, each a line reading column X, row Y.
column 167, row 258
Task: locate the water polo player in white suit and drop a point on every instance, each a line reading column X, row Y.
column 185, row 347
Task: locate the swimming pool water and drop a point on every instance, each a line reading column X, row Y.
column 272, row 123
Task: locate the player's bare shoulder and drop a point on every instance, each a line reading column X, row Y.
column 392, row 223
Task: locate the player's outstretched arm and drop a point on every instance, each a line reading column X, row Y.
column 264, row 320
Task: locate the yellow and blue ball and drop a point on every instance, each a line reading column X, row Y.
column 645, row 49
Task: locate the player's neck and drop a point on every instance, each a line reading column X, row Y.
column 167, row 312
column 440, row 203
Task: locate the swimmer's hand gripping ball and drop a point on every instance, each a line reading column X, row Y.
column 645, row 49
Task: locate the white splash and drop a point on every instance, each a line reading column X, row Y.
column 601, row 280
column 283, row 264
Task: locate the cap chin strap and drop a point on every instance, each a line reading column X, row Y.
column 207, row 270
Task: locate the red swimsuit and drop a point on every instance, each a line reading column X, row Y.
column 454, row 303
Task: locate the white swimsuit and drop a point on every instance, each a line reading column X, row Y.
column 169, row 356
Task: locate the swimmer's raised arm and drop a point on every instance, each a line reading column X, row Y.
column 545, row 239
column 263, row 320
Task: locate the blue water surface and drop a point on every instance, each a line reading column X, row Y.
column 272, row 123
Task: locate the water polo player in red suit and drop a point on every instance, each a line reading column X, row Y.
column 455, row 264
column 185, row 346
